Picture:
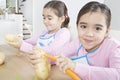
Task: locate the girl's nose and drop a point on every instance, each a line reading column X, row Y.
column 89, row 33
column 45, row 21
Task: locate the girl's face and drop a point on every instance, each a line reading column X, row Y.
column 92, row 30
column 51, row 20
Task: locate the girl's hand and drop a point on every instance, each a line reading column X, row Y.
column 35, row 56
column 16, row 44
column 14, row 40
column 65, row 63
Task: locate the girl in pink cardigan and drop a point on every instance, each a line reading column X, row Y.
column 93, row 55
column 51, row 40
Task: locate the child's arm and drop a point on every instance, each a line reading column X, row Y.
column 28, row 44
column 67, row 69
column 110, row 72
column 64, row 63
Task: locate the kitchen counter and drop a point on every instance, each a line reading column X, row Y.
column 17, row 67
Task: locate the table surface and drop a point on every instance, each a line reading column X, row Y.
column 17, row 67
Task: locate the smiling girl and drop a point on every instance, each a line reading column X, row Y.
column 56, row 34
column 94, row 55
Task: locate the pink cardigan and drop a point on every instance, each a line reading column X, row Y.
column 104, row 62
column 61, row 38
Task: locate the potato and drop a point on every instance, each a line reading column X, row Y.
column 43, row 68
column 11, row 37
column 2, row 58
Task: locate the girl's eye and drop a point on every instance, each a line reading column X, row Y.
column 83, row 26
column 49, row 18
column 98, row 28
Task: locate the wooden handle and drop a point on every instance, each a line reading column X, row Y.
column 68, row 71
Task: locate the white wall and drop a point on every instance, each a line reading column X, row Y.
column 37, row 15
column 2, row 4
column 27, row 10
column 114, row 6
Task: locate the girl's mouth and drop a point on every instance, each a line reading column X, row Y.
column 87, row 41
